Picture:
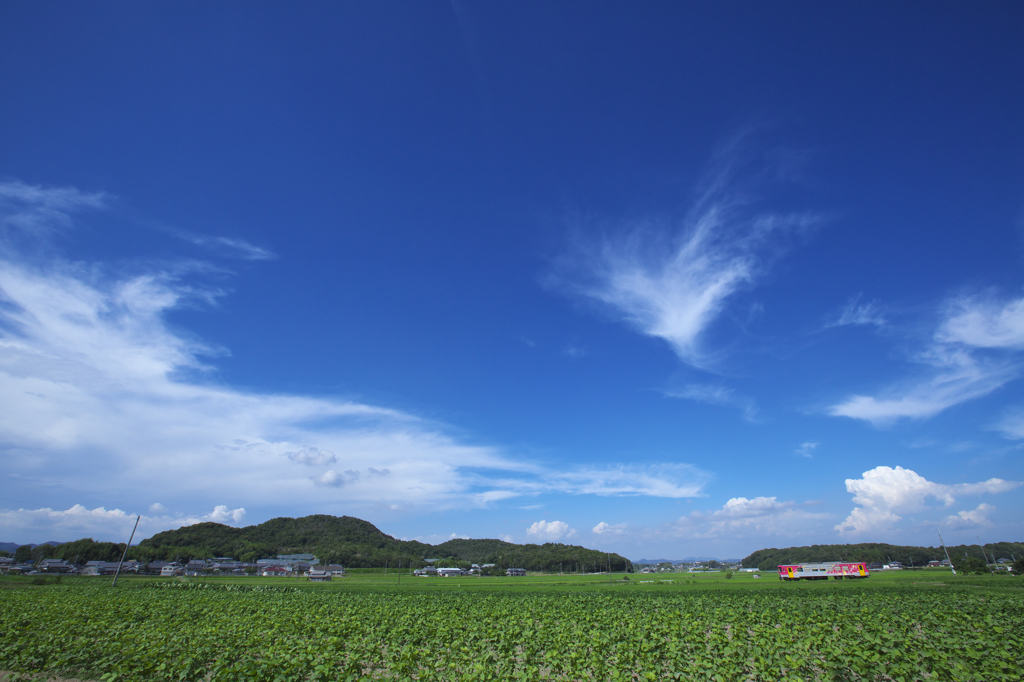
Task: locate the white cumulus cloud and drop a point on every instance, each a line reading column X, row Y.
column 103, row 524
column 743, row 518
column 550, row 531
column 609, row 529
column 883, row 493
column 312, row 456
column 978, row 517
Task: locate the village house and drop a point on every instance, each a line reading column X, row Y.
column 273, row 571
column 449, row 572
column 55, row 566
column 109, row 567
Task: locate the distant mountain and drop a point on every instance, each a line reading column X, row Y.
column 770, row 559
column 687, row 560
column 357, row 543
column 11, row 546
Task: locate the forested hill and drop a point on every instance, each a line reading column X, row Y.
column 770, row 559
column 353, row 542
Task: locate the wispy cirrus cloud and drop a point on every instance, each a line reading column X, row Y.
column 856, row 313
column 1012, row 423
column 883, row 493
column 984, row 322
column 971, row 354
column 673, row 280
column 654, row 480
column 807, row 449
column 99, row 393
column 227, row 246
column 715, row 395
column 40, row 210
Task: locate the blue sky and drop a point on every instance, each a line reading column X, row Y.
column 672, row 280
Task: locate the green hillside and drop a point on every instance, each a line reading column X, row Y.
column 770, row 559
column 356, row 543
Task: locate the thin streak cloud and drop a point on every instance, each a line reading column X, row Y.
column 97, row 391
column 672, row 280
column 970, row 355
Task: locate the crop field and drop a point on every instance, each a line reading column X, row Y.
column 548, row 627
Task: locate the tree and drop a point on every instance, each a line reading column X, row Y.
column 971, row 565
column 1018, row 566
column 713, row 564
column 40, row 552
column 23, row 554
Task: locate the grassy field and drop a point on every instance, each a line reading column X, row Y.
column 910, row 625
column 373, row 579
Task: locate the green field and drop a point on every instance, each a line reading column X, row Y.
column 914, row 625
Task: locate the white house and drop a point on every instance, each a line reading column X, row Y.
column 446, row 572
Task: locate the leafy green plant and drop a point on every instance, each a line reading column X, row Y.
column 190, row 632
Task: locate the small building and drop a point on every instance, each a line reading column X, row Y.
column 55, row 566
column 171, row 570
column 750, row 570
column 274, row 572
column 449, row 572
column 104, row 568
column 319, row 576
column 335, row 570
column 196, row 567
column 515, row 572
column 427, row 572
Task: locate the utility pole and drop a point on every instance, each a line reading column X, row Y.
column 991, row 570
column 118, row 571
column 941, row 542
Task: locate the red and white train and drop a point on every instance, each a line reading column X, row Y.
column 824, row 571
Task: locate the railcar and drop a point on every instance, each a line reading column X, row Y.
column 824, row 571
